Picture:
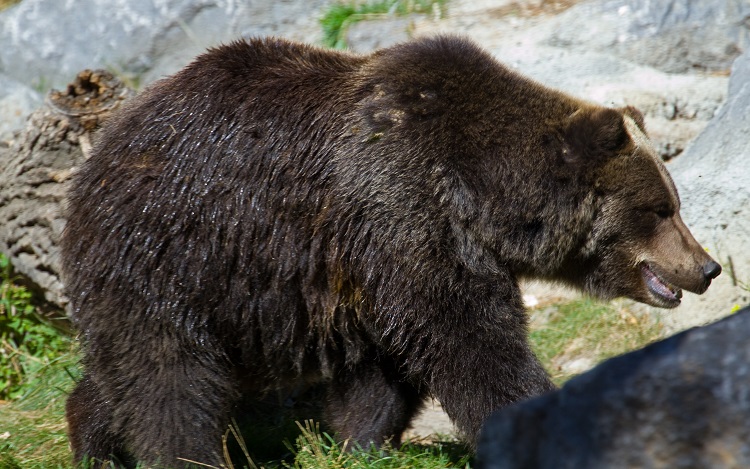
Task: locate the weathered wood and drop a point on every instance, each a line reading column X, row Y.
column 35, row 168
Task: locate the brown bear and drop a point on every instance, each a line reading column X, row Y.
column 277, row 214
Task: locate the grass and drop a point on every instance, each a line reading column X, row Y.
column 588, row 331
column 315, row 450
column 29, row 340
column 32, row 427
column 339, row 16
column 37, row 361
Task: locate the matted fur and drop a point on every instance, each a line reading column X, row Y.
column 277, row 214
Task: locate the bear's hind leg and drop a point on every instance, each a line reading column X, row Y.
column 174, row 413
column 371, row 404
column 90, row 432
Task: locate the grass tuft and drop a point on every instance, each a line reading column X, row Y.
column 315, row 450
column 341, row 15
column 32, row 428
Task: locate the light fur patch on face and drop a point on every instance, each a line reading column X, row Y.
column 644, row 146
column 639, row 138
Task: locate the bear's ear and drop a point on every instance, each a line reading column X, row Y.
column 596, row 133
column 637, row 117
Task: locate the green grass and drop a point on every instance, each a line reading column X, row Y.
column 32, row 428
column 589, row 330
column 341, row 15
column 315, row 450
column 37, row 362
column 29, row 340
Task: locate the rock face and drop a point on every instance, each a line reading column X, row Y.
column 17, row 101
column 712, row 177
column 681, row 402
column 141, row 39
column 674, row 36
column 35, row 171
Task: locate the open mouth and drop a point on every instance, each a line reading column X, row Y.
column 659, row 287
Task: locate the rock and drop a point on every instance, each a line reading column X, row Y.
column 681, row 402
column 432, row 423
column 17, row 101
column 48, row 42
column 675, row 36
column 34, row 171
column 712, row 177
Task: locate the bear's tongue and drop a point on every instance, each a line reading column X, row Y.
column 658, row 286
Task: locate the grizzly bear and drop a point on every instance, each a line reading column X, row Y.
column 277, row 215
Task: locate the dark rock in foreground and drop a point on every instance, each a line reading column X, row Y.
column 683, row 402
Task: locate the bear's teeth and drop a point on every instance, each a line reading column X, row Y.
column 658, row 286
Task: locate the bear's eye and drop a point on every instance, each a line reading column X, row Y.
column 664, row 211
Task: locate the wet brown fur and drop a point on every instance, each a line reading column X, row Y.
column 276, row 214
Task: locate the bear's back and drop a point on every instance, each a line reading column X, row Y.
column 209, row 175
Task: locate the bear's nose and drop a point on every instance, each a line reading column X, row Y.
column 711, row 270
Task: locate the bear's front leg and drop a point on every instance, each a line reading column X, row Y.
column 468, row 344
column 471, row 384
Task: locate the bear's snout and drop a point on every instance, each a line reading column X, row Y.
column 711, row 270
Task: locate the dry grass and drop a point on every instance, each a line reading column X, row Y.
column 33, row 437
column 577, row 335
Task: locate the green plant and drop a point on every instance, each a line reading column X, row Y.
column 32, row 428
column 316, row 450
column 28, row 342
column 341, row 15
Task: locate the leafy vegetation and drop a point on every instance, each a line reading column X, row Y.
column 29, row 342
column 340, row 16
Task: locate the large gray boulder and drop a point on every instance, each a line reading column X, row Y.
column 674, row 36
column 683, row 402
column 713, row 177
column 46, row 42
column 17, row 101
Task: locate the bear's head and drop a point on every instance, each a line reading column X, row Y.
column 533, row 181
column 638, row 246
